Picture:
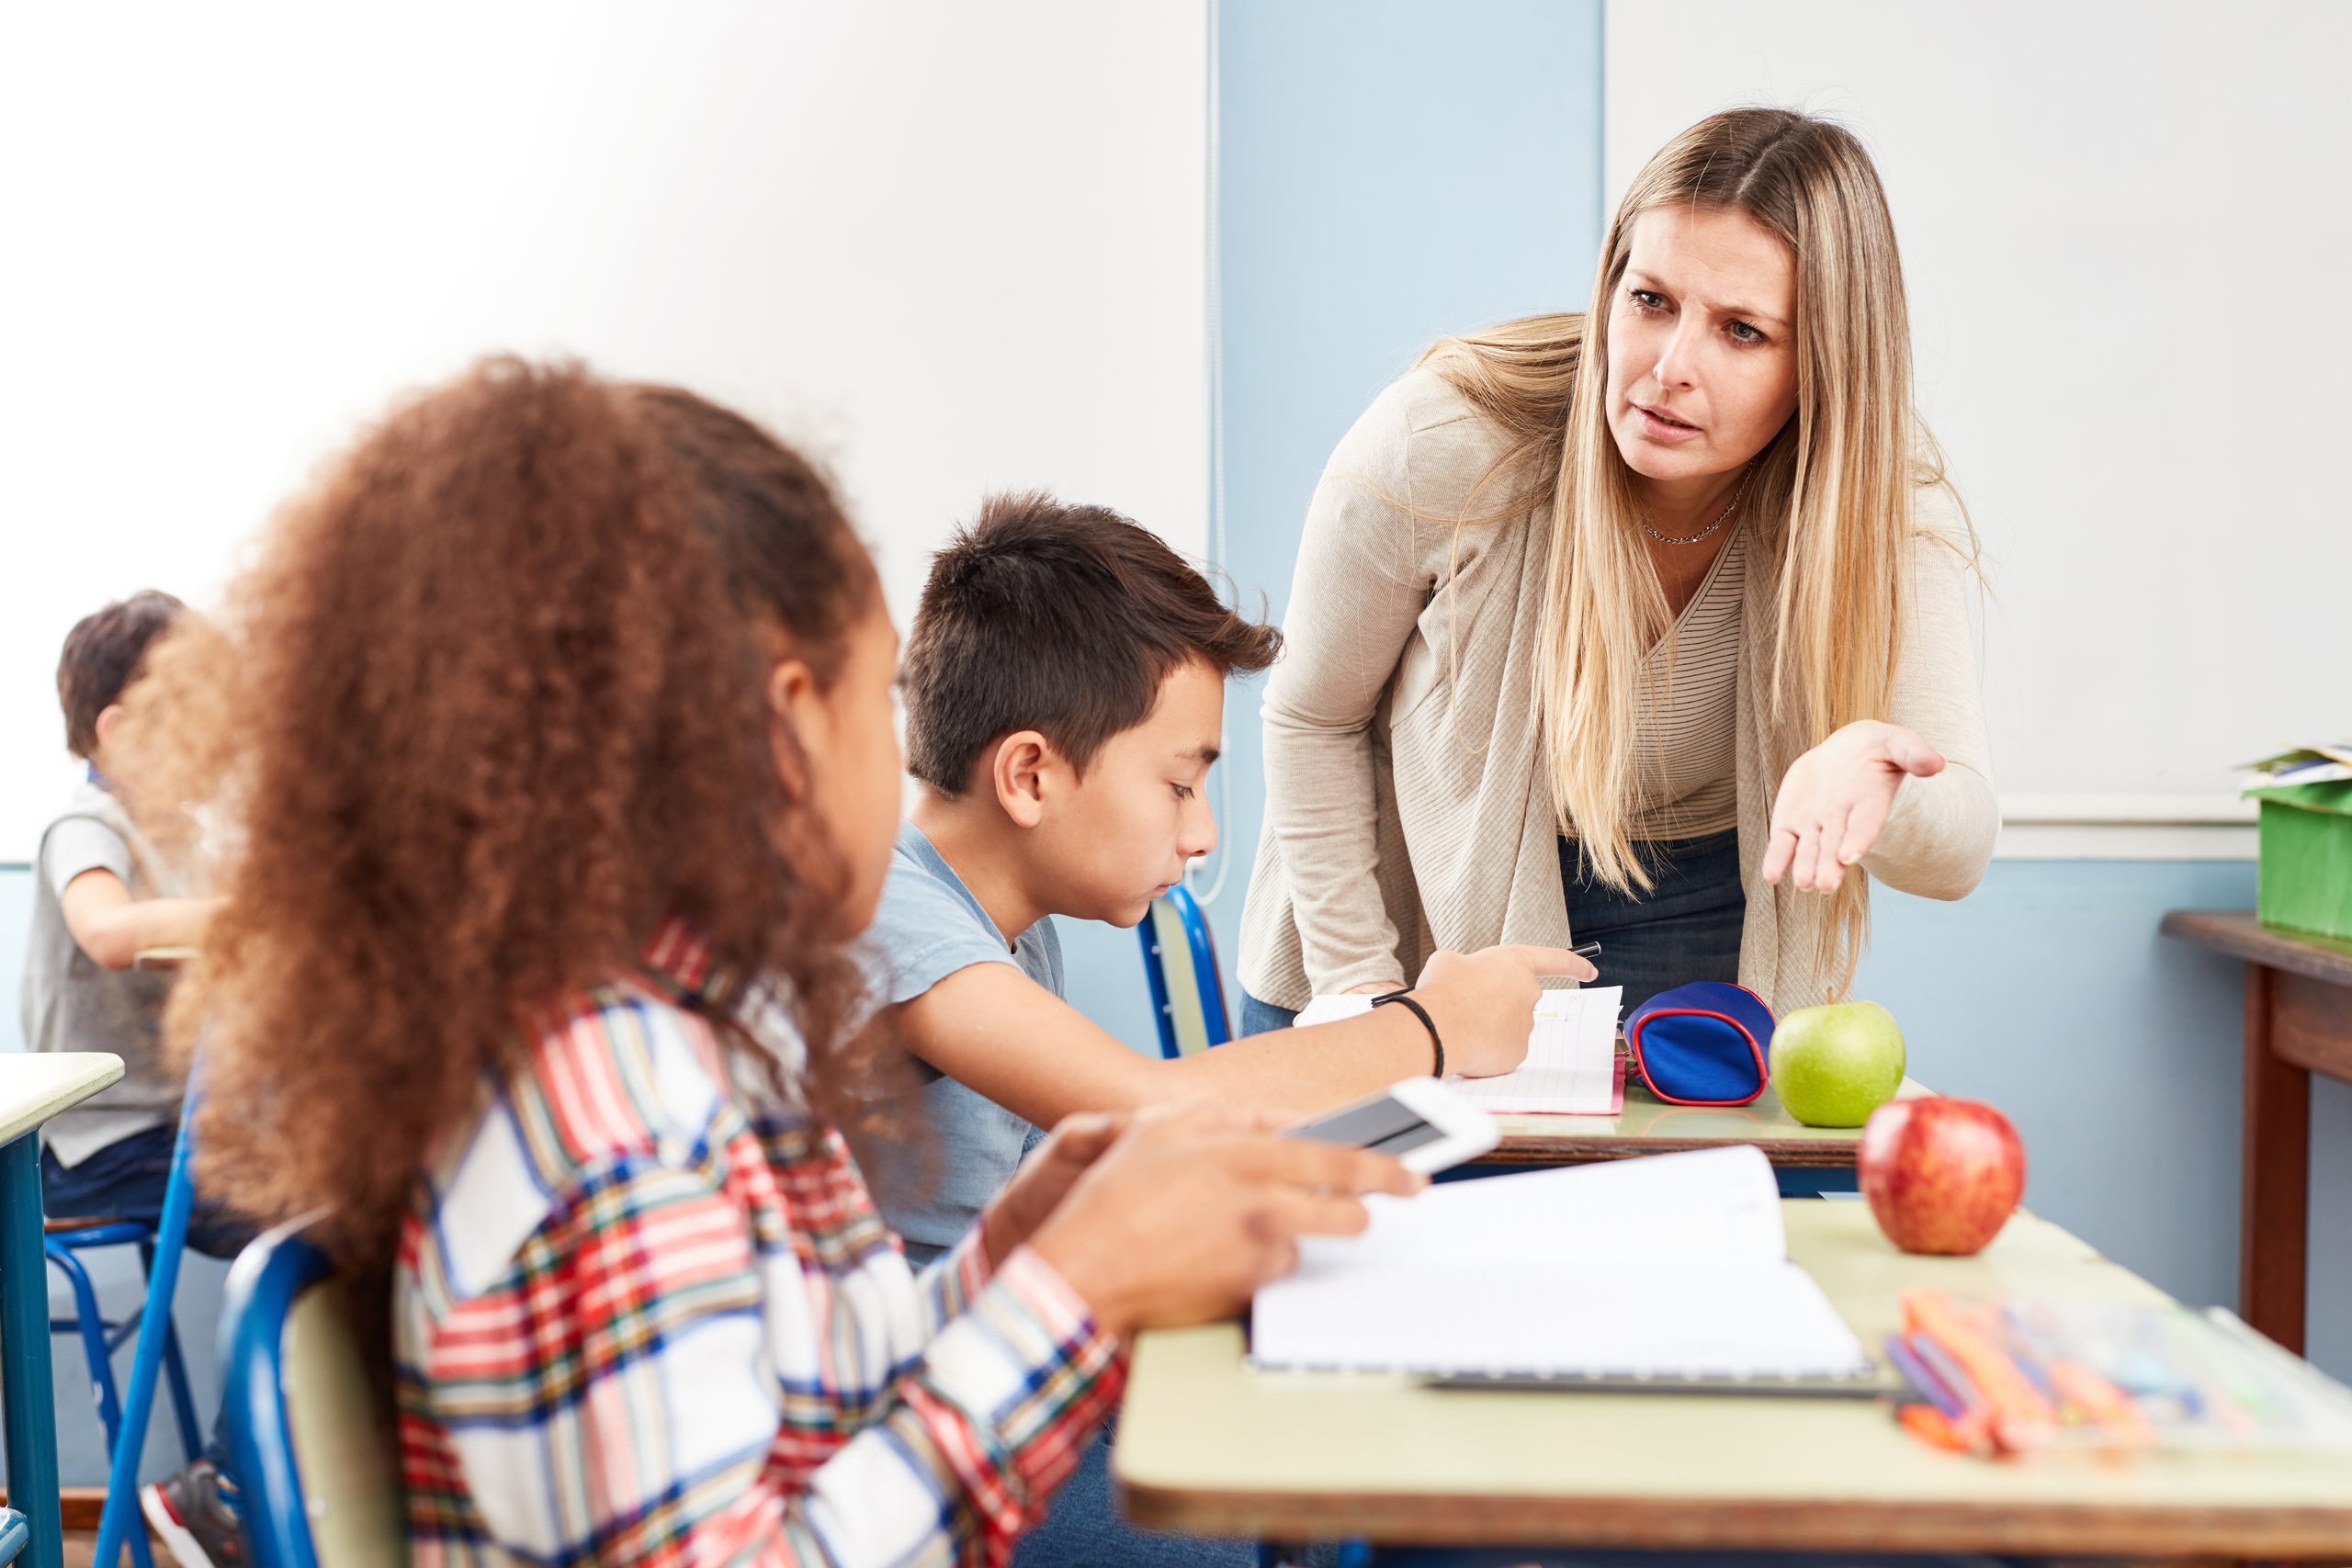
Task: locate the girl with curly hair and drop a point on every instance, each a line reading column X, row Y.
column 555, row 728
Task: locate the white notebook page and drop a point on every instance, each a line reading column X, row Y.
column 1571, row 1065
column 1674, row 1266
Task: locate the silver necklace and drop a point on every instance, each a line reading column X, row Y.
column 1693, row 539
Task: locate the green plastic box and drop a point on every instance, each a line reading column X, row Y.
column 2306, row 848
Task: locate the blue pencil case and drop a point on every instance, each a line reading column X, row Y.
column 1702, row 1043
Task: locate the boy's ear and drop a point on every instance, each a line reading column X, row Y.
column 794, row 713
column 1022, row 771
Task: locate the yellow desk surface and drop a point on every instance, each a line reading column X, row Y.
column 1647, row 1125
column 1208, row 1445
column 37, row 1085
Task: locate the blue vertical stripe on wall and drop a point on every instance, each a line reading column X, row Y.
column 1389, row 172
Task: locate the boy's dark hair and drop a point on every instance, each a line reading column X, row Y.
column 1061, row 619
column 102, row 658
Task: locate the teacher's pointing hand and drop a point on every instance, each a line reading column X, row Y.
column 1833, row 803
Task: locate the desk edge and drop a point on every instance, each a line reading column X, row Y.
column 2292, row 952
column 1787, row 1524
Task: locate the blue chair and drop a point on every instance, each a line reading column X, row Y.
column 1179, row 964
column 102, row 1337
column 307, row 1429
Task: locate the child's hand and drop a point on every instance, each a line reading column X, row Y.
column 1038, row 1188
column 1482, row 1002
column 1190, row 1211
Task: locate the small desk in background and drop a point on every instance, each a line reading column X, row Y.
column 1806, row 1159
column 2298, row 1023
column 1208, row 1445
column 34, row 1087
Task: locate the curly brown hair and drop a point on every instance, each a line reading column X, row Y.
column 490, row 707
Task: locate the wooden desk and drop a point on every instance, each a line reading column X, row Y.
column 1207, row 1445
column 34, row 1087
column 1648, row 1125
column 2298, row 1021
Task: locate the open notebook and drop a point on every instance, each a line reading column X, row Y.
column 1672, row 1267
column 1572, row 1066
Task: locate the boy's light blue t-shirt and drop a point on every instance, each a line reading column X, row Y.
column 928, row 926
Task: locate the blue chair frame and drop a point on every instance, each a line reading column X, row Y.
column 269, row 1277
column 101, row 1337
column 157, row 1344
column 1201, row 952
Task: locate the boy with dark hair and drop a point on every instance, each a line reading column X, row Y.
column 1065, row 691
column 102, row 895
column 1064, row 682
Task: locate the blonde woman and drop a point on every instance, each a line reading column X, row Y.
column 1648, row 625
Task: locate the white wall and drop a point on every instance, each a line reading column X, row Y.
column 2124, row 226
column 955, row 247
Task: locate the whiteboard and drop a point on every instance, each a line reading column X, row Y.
column 2125, row 226
column 952, row 248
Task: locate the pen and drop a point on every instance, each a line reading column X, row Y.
column 1957, row 1385
column 1922, row 1377
column 1586, row 950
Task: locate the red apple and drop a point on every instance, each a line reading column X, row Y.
column 1941, row 1175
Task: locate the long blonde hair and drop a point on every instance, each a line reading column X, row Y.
column 1828, row 501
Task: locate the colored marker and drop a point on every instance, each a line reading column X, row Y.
column 1928, row 1424
column 1922, row 1377
column 1945, row 1372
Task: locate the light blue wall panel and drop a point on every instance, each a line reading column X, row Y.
column 1390, row 172
column 16, row 916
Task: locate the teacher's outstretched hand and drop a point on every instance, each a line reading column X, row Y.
column 1834, row 801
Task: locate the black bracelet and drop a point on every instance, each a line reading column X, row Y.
column 1436, row 1044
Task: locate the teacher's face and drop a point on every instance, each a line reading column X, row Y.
column 1702, row 360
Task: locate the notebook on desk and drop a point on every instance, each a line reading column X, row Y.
column 1572, row 1066
column 1673, row 1269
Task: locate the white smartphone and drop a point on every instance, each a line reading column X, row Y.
column 1422, row 1124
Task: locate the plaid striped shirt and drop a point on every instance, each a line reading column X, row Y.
column 643, row 1314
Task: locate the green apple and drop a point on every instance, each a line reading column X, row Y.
column 1833, row 1065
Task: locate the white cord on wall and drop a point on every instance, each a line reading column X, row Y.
column 1215, row 324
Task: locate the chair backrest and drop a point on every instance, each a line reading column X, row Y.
column 1180, row 966
column 309, row 1438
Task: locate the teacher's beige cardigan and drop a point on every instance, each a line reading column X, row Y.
column 1406, row 806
